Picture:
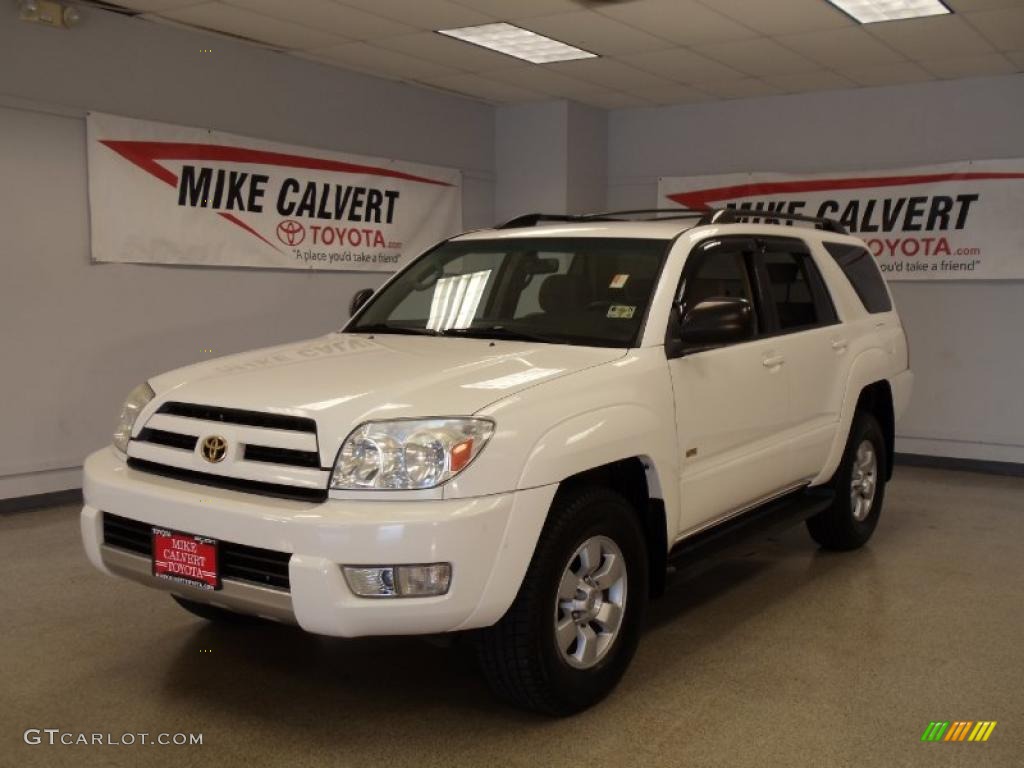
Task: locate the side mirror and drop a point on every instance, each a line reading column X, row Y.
column 362, row 296
column 717, row 321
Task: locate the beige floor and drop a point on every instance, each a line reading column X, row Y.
column 775, row 655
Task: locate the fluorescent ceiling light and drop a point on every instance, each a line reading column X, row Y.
column 518, row 42
column 871, row 11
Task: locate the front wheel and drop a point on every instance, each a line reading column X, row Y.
column 572, row 630
column 859, row 486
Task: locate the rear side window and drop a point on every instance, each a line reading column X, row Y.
column 861, row 270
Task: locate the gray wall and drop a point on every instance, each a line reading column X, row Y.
column 76, row 336
column 551, row 157
column 965, row 338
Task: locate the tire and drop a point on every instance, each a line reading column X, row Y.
column 849, row 523
column 520, row 656
column 215, row 613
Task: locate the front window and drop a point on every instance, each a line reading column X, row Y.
column 584, row 291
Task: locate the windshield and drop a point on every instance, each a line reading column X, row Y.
column 583, row 291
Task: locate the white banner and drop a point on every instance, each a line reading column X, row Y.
column 169, row 194
column 944, row 222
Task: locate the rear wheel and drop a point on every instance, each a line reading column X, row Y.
column 859, row 486
column 572, row 630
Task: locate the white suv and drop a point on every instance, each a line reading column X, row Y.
column 516, row 435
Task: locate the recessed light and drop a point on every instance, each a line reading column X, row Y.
column 521, row 43
column 872, row 11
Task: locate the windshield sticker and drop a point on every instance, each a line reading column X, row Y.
column 621, row 311
column 619, row 281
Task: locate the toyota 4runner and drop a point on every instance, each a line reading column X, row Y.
column 516, row 435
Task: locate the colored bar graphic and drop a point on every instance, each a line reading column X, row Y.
column 958, row 730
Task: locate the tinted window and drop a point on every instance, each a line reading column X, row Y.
column 863, row 274
column 791, row 291
column 716, row 269
column 713, row 273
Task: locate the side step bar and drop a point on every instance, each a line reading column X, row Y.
column 771, row 517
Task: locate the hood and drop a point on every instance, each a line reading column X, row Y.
column 341, row 380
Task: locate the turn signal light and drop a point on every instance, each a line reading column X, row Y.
column 399, row 580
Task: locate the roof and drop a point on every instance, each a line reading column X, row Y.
column 657, row 223
column 663, row 229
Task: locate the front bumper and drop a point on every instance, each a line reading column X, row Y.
column 489, row 541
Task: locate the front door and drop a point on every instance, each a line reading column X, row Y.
column 731, row 401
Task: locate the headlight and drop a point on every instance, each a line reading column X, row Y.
column 135, row 402
column 408, row 454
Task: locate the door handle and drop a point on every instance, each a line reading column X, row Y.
column 840, row 345
column 773, row 362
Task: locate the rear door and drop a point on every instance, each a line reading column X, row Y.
column 731, row 401
column 808, row 337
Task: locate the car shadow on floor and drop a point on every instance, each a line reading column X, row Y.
column 252, row 670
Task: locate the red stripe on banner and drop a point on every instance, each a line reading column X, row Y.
column 145, row 153
column 235, row 220
column 702, row 198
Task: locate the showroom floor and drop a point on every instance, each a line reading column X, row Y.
column 775, row 655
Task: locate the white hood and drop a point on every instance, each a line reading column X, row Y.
column 341, row 380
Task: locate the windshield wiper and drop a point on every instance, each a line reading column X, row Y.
column 386, row 328
column 502, row 332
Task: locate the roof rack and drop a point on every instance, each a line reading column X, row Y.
column 705, row 216
column 736, row 215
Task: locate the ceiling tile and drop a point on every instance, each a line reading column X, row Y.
column 237, row 21
column 610, row 73
column 370, row 58
column 741, row 89
column 1004, row 29
column 431, row 46
column 970, row 66
column 783, row 17
column 483, row 88
column 328, row 16
column 544, row 80
column 681, row 64
column 965, row 6
column 614, row 100
column 931, row 38
column 673, row 94
column 888, row 74
column 595, row 33
column 681, row 21
column 761, row 56
column 802, row 82
column 507, row 10
column 423, row 14
column 847, row 47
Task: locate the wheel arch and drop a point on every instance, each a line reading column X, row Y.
column 876, row 399
column 867, row 386
column 636, row 479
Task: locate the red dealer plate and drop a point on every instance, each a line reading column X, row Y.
column 185, row 559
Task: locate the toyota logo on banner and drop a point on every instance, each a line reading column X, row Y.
column 291, row 232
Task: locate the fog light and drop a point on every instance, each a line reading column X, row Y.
column 399, row 580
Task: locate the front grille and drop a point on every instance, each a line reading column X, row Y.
column 237, row 562
column 298, row 493
column 170, row 439
column 185, row 435
column 235, row 416
column 287, row 456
